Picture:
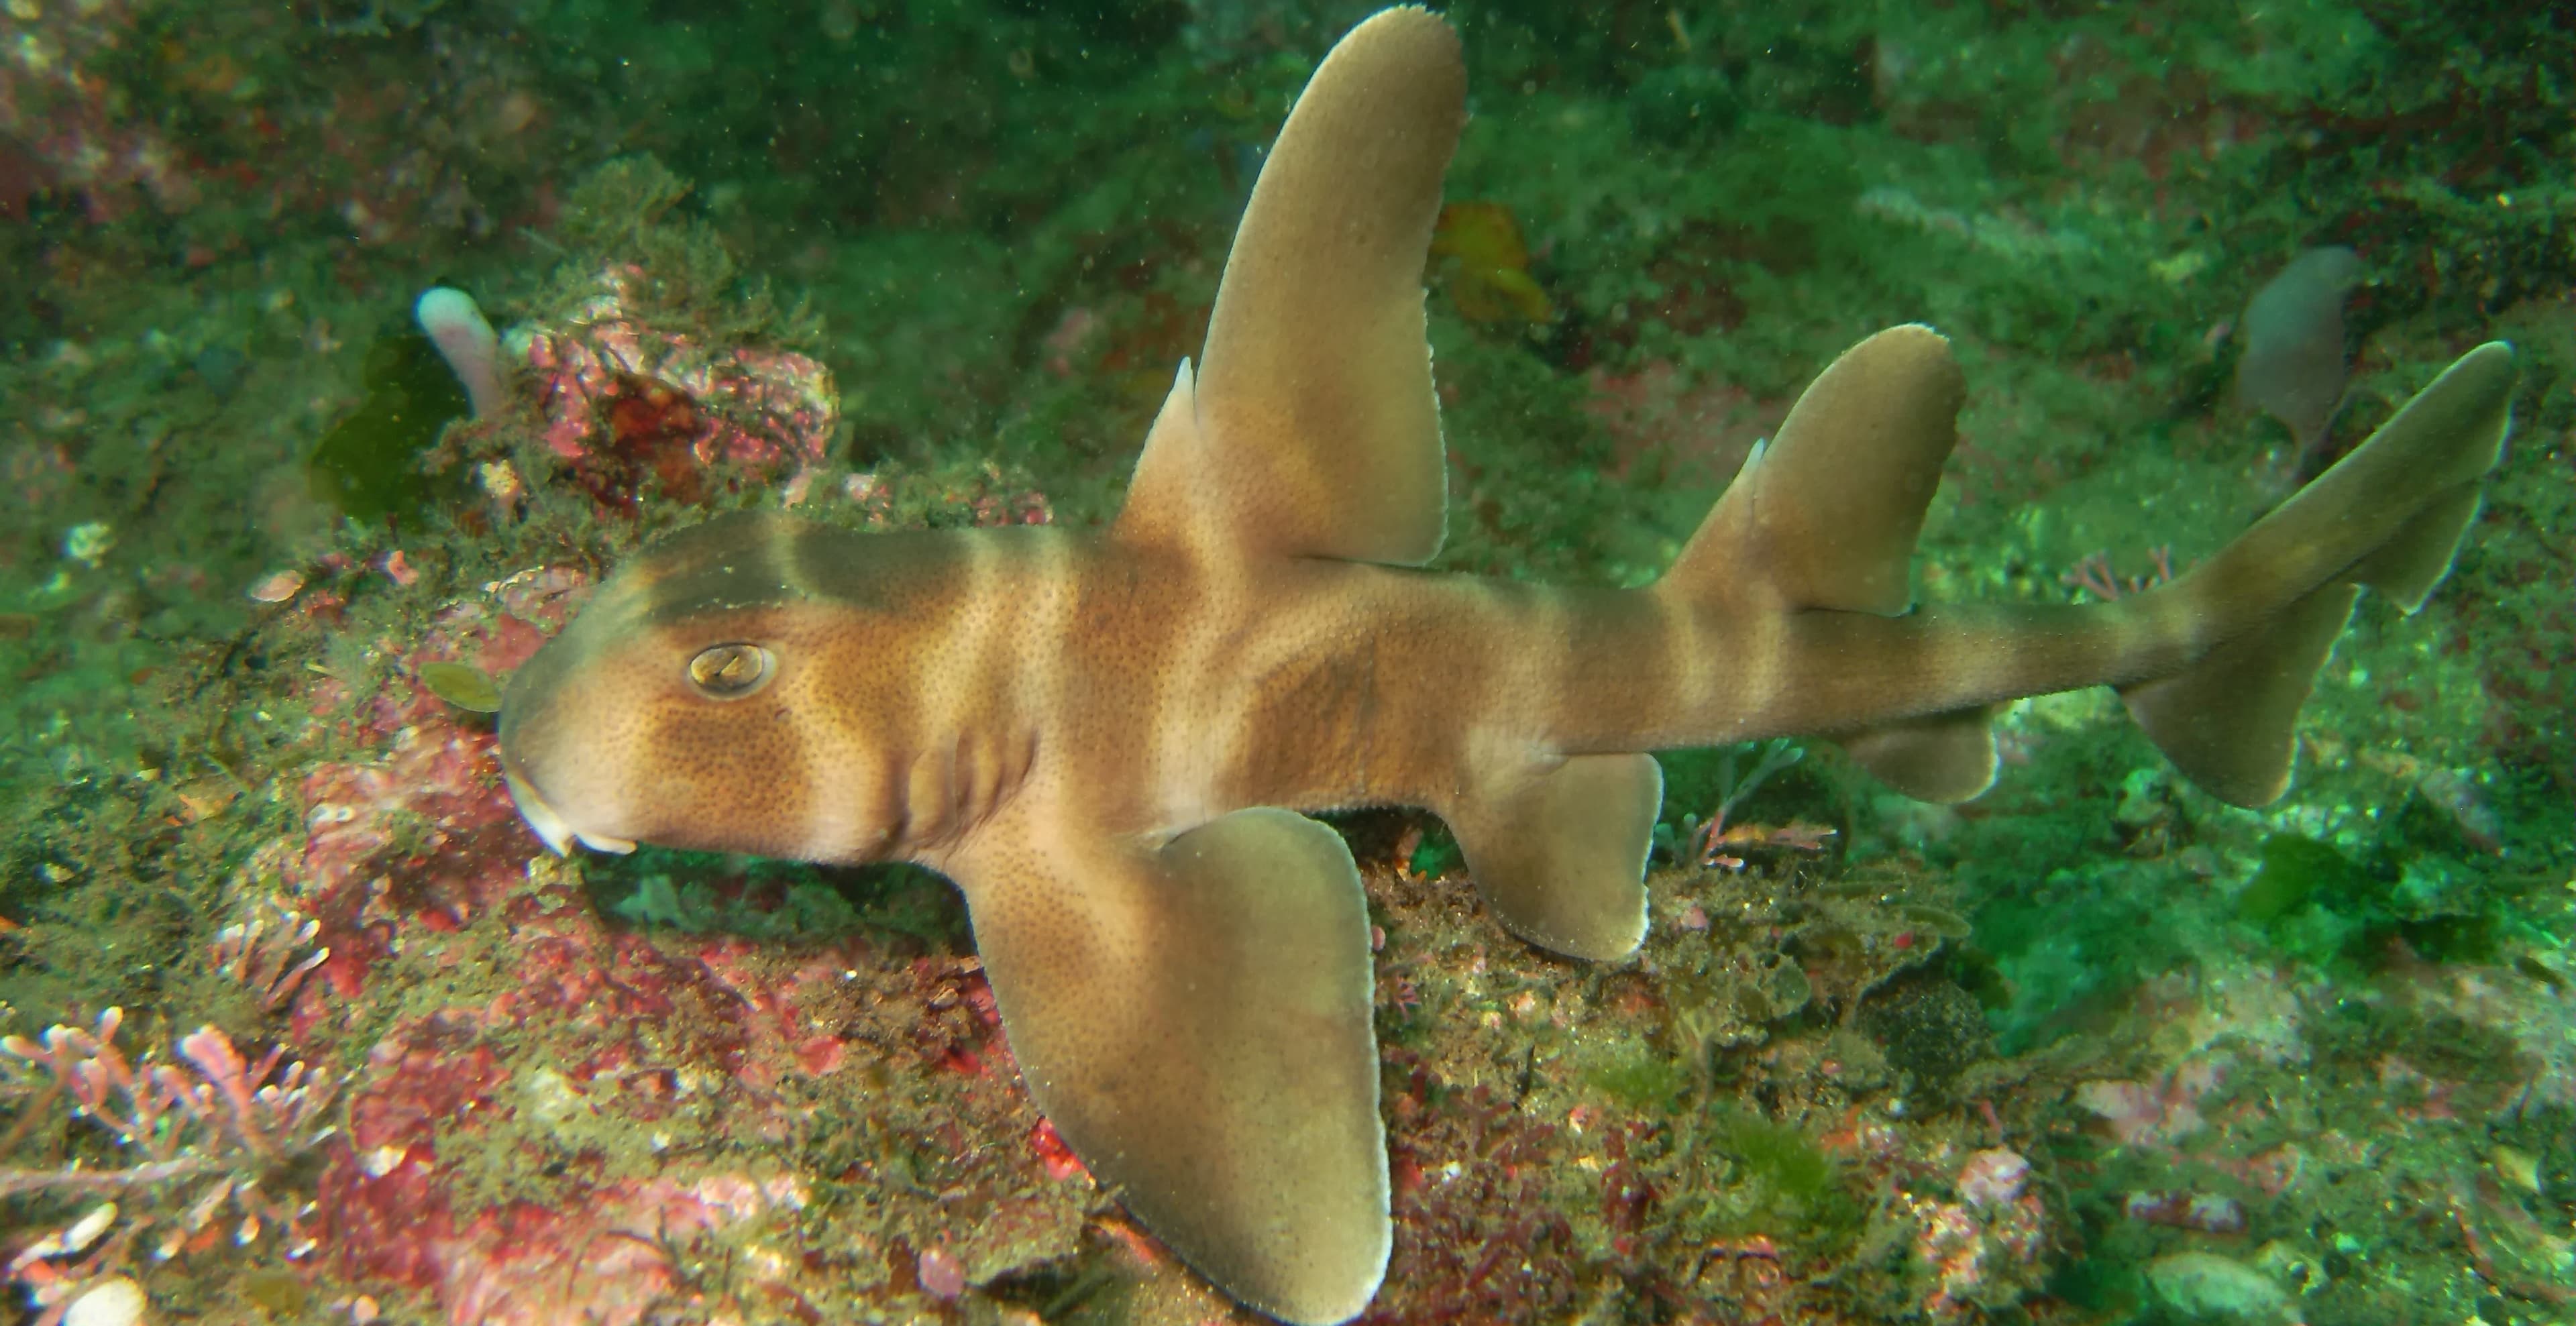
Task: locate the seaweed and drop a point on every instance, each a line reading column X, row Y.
column 369, row 466
column 2296, row 871
column 1784, row 1181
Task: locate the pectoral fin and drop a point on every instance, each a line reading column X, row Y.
column 1196, row 1022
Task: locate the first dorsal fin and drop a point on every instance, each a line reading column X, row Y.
column 1310, row 429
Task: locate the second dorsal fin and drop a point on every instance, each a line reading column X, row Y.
column 1310, row 429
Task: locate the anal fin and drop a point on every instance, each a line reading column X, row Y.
column 1559, row 851
column 1195, row 1021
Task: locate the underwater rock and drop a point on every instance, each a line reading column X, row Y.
column 1930, row 1028
column 627, row 397
column 1981, row 1251
column 2204, row 1286
column 1993, row 1177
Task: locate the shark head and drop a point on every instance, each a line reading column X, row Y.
column 718, row 693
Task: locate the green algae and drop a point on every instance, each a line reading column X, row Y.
column 1641, row 1080
column 631, row 213
column 1783, row 1180
column 2296, row 871
column 1436, row 855
column 467, row 687
column 697, row 893
column 368, row 466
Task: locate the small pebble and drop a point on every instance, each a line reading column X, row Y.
column 2204, row 1286
column 941, row 1274
column 86, row 1230
column 277, row 586
column 2516, row 1167
column 115, row 1301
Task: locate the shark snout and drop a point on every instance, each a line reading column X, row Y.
column 553, row 826
column 541, row 760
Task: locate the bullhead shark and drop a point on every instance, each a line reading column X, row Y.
column 1110, row 740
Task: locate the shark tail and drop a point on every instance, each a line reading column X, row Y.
column 2213, row 666
column 2389, row 517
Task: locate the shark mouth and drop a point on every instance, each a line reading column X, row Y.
column 550, row 825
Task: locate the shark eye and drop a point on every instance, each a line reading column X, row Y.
column 731, row 671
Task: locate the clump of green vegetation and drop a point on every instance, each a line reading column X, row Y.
column 1784, row 1181
column 1436, row 855
column 2322, row 906
column 369, row 466
column 1641, row 1080
column 461, row 684
column 664, row 889
column 628, row 211
column 2295, row 872
column 807, row 909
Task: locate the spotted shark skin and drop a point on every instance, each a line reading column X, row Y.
column 1106, row 740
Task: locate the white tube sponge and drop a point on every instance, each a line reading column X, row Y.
column 457, row 327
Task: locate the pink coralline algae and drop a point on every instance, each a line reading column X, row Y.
column 580, row 1033
column 941, row 1273
column 1980, row 1249
column 625, row 399
column 2153, row 1114
column 550, row 1111
column 102, row 106
column 986, row 496
column 1993, row 1178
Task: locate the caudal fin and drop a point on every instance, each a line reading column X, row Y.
column 2389, row 517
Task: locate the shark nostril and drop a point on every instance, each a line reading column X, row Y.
column 731, row 671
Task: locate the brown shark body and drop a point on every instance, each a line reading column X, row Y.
column 1105, row 739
